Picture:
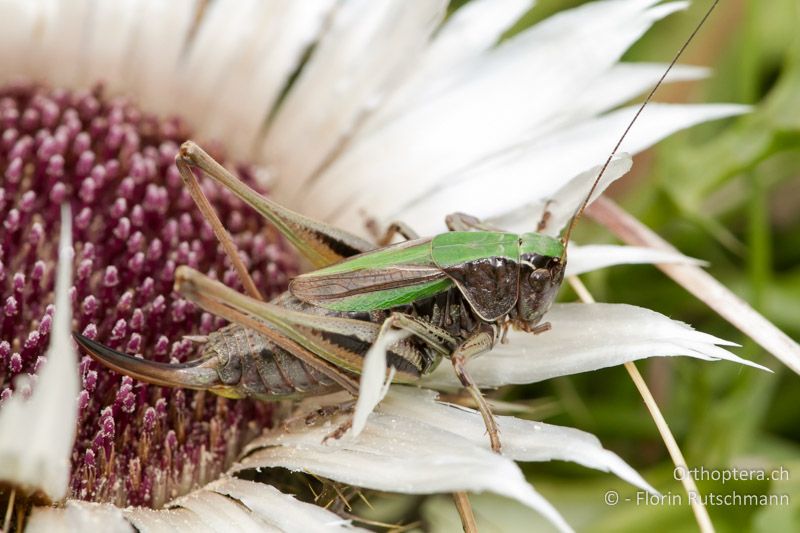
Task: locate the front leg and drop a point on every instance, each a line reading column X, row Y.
column 546, row 216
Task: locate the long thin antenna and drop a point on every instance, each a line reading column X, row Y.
column 580, row 210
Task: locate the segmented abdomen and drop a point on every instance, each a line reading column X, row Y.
column 261, row 369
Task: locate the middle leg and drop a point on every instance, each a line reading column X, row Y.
column 479, row 343
column 395, row 228
column 440, row 340
column 465, row 222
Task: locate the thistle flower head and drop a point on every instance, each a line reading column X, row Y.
column 134, row 222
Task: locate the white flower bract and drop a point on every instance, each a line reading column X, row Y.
column 586, row 337
column 374, row 382
column 584, row 259
column 37, row 433
column 219, row 506
column 397, row 453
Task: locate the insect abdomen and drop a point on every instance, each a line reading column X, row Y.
column 260, row 369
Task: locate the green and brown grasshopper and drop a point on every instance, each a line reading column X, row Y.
column 456, row 294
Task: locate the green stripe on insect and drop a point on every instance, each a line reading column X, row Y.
column 457, row 247
column 536, row 243
column 386, row 299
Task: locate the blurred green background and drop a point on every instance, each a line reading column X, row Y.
column 727, row 192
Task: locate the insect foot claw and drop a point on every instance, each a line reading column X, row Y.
column 329, row 411
column 504, row 334
column 312, row 417
column 536, row 330
column 339, row 432
column 541, row 328
column 188, row 150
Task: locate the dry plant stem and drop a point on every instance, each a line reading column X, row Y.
column 698, row 508
column 9, row 509
column 391, row 528
column 465, row 512
column 701, row 284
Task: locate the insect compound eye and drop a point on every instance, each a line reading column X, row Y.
column 539, row 278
